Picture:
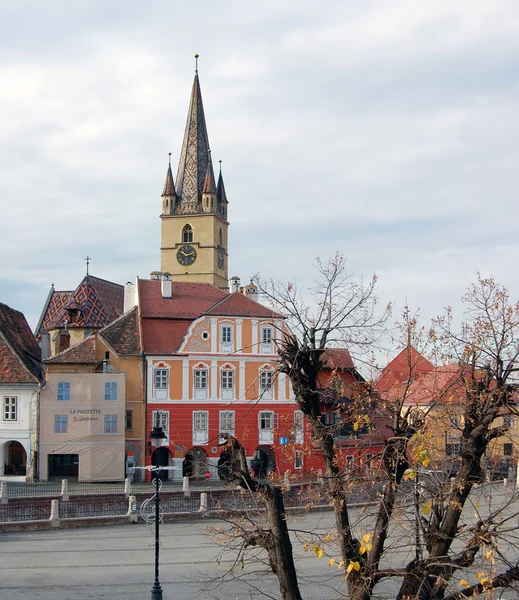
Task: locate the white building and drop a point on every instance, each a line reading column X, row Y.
column 20, row 377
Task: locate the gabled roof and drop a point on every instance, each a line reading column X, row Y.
column 338, row 358
column 20, row 355
column 408, row 365
column 83, row 353
column 123, row 334
column 161, row 336
column 239, row 305
column 188, row 301
column 195, row 155
column 442, row 385
column 98, row 300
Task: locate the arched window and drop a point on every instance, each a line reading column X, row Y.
column 187, row 234
column 220, row 238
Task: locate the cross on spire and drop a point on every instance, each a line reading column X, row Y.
column 87, row 259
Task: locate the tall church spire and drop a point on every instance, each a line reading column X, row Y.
column 195, row 157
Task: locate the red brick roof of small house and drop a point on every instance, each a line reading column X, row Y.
column 188, row 300
column 239, row 305
column 20, row 355
column 124, row 334
column 407, row 365
column 100, row 302
column 82, row 353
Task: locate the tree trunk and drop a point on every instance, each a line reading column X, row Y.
column 280, row 550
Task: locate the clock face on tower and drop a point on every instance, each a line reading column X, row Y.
column 221, row 258
column 186, row 255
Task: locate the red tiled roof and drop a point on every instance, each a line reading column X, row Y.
column 338, row 358
column 441, row 385
column 407, row 365
column 20, row 355
column 239, row 305
column 123, row 334
column 83, row 352
column 163, row 336
column 99, row 301
column 188, row 301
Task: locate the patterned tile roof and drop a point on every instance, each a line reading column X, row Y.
column 169, row 184
column 195, row 155
column 239, row 305
column 99, row 302
column 83, row 352
column 124, row 334
column 20, row 356
column 188, row 301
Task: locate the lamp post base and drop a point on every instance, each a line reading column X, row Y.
column 156, row 591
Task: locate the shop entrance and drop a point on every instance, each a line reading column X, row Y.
column 63, row 466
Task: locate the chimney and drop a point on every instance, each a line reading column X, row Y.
column 129, row 296
column 166, row 285
column 234, row 284
column 45, row 344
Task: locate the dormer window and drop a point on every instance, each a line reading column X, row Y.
column 187, row 234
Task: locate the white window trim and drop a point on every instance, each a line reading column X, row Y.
column 163, row 420
column 227, row 346
column 227, row 430
column 200, row 435
column 299, row 427
column 201, row 393
column 266, row 434
column 228, row 393
column 161, row 393
column 5, row 412
column 266, row 347
column 266, row 392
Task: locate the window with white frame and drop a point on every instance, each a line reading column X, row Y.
column 201, row 383
column 298, row 459
column 266, row 426
column 266, row 384
column 266, row 345
column 298, row 427
column 63, row 390
column 350, row 463
column 10, row 408
column 369, row 463
column 110, row 423
column 226, row 338
column 227, row 421
column 161, row 378
column 111, row 390
column 200, row 427
column 60, row 423
column 227, row 383
column 160, row 418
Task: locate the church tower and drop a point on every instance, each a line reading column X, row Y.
column 194, row 213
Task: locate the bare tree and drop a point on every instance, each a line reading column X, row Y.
column 447, row 546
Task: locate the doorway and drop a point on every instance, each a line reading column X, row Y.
column 195, row 464
column 63, row 466
column 16, row 459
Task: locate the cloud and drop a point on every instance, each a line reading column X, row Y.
column 385, row 130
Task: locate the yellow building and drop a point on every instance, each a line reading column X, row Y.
column 194, row 241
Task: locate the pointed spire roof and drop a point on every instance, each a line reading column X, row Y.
column 209, row 183
column 194, row 157
column 169, row 185
column 220, row 188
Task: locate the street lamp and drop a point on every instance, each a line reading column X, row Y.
column 157, row 437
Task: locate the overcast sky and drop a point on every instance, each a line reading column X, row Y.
column 386, row 130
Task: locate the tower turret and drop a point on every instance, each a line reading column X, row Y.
column 194, row 213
